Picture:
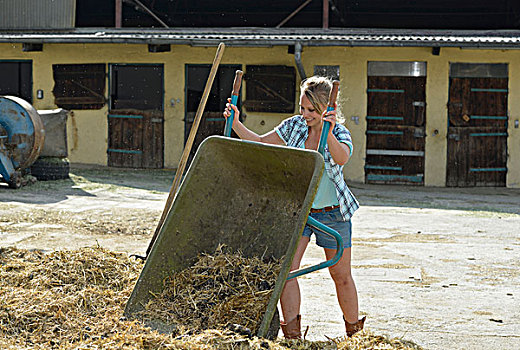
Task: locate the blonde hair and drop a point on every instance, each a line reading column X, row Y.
column 317, row 90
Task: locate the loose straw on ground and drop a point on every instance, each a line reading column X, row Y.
column 75, row 300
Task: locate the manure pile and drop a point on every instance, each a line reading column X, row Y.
column 75, row 300
column 216, row 292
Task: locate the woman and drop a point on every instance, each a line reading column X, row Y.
column 333, row 205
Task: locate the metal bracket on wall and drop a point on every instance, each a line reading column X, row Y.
column 389, row 152
column 455, row 137
column 419, row 132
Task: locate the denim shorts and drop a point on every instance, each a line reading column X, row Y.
column 334, row 220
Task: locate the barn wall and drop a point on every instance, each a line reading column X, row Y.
column 353, row 69
column 87, row 129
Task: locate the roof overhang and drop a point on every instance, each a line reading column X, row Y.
column 251, row 37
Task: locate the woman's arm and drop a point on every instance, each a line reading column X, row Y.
column 339, row 151
column 245, row 134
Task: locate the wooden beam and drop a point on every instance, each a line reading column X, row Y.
column 390, row 152
column 150, row 12
column 119, row 13
column 325, row 14
column 294, row 13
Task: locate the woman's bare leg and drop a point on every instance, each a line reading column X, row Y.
column 290, row 299
column 345, row 286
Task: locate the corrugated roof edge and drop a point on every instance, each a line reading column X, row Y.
column 498, row 39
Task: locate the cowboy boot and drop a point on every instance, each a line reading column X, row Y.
column 291, row 329
column 353, row 328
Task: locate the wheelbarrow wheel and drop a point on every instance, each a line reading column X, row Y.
column 16, row 180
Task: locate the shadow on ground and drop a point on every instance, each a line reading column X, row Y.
column 145, row 179
column 491, row 199
column 42, row 192
column 87, row 180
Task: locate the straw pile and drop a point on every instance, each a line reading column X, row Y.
column 217, row 292
column 75, row 300
column 63, row 298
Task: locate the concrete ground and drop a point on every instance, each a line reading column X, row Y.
column 437, row 266
column 440, row 267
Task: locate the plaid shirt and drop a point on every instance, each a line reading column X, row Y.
column 294, row 131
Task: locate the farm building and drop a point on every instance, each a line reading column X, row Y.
column 430, row 90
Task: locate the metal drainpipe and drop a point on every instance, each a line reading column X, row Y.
column 298, row 60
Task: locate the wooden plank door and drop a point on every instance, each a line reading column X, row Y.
column 395, row 130
column 212, row 122
column 477, row 132
column 136, row 116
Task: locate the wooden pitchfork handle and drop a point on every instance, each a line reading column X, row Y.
column 187, row 149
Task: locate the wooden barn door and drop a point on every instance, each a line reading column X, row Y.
column 212, row 122
column 477, row 125
column 136, row 116
column 395, row 123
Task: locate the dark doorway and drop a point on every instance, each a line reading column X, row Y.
column 16, row 79
column 136, row 116
column 212, row 122
column 477, row 125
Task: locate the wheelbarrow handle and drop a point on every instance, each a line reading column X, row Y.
column 234, row 100
column 326, row 125
column 339, row 251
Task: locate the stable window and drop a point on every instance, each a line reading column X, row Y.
column 79, row 86
column 270, row 89
column 331, row 72
column 16, row 79
column 137, row 86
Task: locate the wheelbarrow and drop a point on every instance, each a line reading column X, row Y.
column 252, row 197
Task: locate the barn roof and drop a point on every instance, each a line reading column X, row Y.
column 499, row 39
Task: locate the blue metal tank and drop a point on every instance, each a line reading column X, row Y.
column 22, row 137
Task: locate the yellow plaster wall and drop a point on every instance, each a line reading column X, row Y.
column 87, row 130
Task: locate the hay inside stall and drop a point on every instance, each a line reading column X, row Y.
column 75, row 300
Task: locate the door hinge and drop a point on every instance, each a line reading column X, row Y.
column 419, row 132
column 455, row 137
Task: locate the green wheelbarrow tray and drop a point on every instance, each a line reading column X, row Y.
column 252, row 197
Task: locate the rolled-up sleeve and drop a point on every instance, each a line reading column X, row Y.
column 343, row 135
column 284, row 130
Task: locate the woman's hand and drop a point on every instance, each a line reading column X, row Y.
column 244, row 133
column 339, row 151
column 330, row 116
column 227, row 111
